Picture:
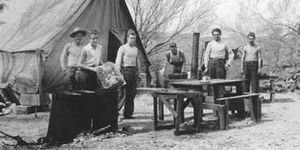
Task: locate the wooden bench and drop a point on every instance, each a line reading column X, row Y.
column 221, row 113
column 253, row 103
column 165, row 96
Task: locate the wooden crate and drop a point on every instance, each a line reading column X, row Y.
column 34, row 99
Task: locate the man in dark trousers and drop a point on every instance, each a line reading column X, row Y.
column 127, row 61
column 218, row 56
column 70, row 56
column 251, row 63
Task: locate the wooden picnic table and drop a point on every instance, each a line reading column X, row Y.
column 212, row 85
column 213, row 93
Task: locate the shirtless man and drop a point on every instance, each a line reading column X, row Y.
column 70, row 56
column 127, row 61
column 251, row 63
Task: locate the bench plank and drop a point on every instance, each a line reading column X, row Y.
column 238, row 97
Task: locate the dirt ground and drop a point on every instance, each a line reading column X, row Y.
column 279, row 129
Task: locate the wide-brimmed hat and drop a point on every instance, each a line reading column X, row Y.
column 76, row 31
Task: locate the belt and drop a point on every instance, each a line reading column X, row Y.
column 129, row 67
column 217, row 58
column 251, row 61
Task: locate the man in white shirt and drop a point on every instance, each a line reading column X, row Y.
column 218, row 56
column 127, row 61
column 90, row 58
column 70, row 56
column 251, row 63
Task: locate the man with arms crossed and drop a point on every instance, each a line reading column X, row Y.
column 127, row 61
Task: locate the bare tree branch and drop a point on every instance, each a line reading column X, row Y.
column 160, row 21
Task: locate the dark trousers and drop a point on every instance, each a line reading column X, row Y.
column 250, row 70
column 131, row 77
column 88, row 80
column 216, row 68
column 72, row 83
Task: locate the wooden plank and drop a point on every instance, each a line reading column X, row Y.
column 209, row 99
column 238, row 97
column 212, row 106
column 34, row 99
column 174, row 113
column 178, row 118
column 272, row 90
column 155, row 112
column 160, row 110
column 223, row 117
column 150, row 90
column 19, row 109
column 225, row 81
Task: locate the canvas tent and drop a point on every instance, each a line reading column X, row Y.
column 33, row 37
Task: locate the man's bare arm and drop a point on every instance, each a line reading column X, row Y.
column 259, row 60
column 64, row 57
column 243, row 59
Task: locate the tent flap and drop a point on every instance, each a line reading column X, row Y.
column 20, row 70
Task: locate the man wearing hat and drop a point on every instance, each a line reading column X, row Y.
column 176, row 58
column 70, row 56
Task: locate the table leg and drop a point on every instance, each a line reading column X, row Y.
column 272, row 90
column 160, row 110
column 226, row 115
column 256, row 103
column 175, row 108
column 196, row 102
column 222, row 117
column 240, row 91
column 179, row 112
column 252, row 108
column 155, row 112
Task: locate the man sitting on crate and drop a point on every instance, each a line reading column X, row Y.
column 90, row 58
column 70, row 56
column 176, row 63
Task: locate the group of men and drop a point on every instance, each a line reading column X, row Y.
column 218, row 57
column 78, row 62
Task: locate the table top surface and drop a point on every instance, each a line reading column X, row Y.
column 207, row 82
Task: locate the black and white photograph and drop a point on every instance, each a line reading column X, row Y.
column 149, row 74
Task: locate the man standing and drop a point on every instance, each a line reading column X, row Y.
column 218, row 56
column 176, row 58
column 127, row 61
column 90, row 58
column 70, row 56
column 251, row 63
